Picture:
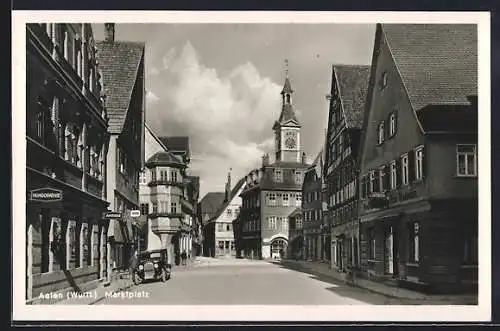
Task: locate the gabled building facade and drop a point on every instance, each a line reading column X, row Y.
column 122, row 65
column 345, row 119
column 296, row 235
column 169, row 199
column 152, row 146
column 218, row 231
column 66, row 147
column 273, row 191
column 418, row 209
column 207, row 210
column 315, row 227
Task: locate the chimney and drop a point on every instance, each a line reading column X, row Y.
column 304, row 158
column 109, row 32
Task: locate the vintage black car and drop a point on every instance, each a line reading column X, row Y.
column 152, row 265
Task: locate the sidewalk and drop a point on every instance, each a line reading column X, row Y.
column 120, row 283
column 323, row 269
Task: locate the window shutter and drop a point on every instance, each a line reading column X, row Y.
column 411, row 166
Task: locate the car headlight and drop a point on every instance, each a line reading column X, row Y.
column 141, row 267
column 156, row 265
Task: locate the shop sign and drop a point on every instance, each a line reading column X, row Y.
column 46, row 195
column 135, row 213
column 112, row 215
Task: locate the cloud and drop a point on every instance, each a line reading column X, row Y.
column 153, row 71
column 167, row 58
column 228, row 116
column 151, row 98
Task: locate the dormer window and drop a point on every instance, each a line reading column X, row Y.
column 392, row 124
column 381, row 133
column 278, row 174
column 383, row 81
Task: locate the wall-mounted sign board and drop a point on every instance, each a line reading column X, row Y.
column 112, row 214
column 46, row 194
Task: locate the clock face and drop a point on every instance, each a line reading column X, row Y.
column 290, row 143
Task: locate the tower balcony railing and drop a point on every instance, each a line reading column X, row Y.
column 165, row 182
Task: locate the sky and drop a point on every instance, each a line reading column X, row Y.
column 220, row 85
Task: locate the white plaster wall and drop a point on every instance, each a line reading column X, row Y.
column 154, row 240
column 111, row 172
column 266, row 251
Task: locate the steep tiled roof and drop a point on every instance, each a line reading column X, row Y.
column 296, row 212
column 318, row 164
column 233, row 193
column 155, row 137
column 210, row 203
column 437, row 62
column 287, row 114
column 165, row 158
column 119, row 62
column 176, row 144
column 352, row 82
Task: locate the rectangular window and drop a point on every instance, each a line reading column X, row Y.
column 372, row 181
column 414, row 252
column 419, row 163
column 392, row 124
column 298, row 200
column 272, row 199
column 381, row 177
column 272, row 222
column 173, row 207
column 174, row 176
column 278, row 174
column 286, row 199
column 153, row 175
column 40, row 123
column 144, row 208
column 467, row 160
column 229, row 212
column 299, row 223
column 393, row 175
column 163, row 176
column 381, row 134
column 220, row 227
column 298, row 177
column 404, row 169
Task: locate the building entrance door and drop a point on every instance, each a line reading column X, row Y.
column 278, row 248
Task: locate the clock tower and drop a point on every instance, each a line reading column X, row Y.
column 287, row 127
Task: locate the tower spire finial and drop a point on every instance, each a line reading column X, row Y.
column 286, row 68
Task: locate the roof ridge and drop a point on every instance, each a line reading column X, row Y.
column 135, row 82
column 155, row 136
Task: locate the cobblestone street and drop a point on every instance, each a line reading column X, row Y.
column 243, row 282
